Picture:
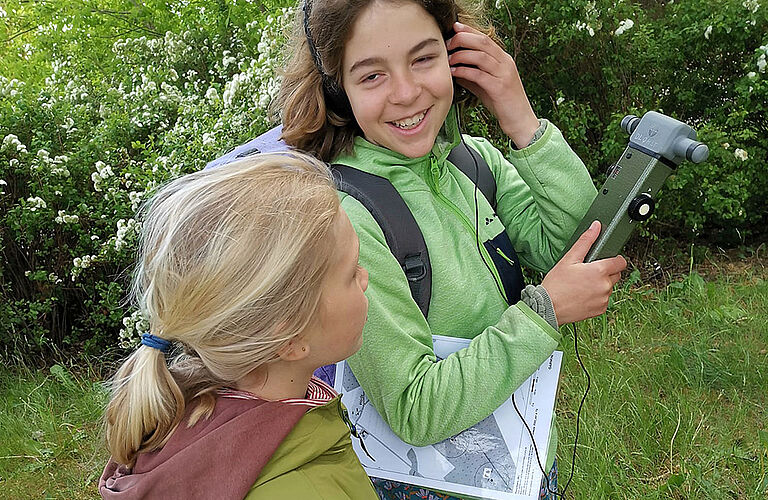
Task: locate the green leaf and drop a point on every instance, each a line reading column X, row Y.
column 62, row 375
column 673, row 482
column 763, row 436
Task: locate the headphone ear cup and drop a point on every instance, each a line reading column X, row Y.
column 335, row 98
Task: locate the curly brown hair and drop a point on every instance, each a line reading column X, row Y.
column 309, row 123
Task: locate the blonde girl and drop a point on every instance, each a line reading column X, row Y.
column 372, row 84
column 249, row 277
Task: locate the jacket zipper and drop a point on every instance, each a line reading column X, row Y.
column 435, row 178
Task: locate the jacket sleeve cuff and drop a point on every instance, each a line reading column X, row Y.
column 536, row 135
column 537, row 298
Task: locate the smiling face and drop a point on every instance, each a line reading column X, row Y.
column 397, row 77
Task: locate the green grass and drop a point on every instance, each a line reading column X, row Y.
column 678, row 406
column 679, row 401
column 50, row 432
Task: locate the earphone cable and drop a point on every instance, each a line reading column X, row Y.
column 477, row 242
column 581, row 405
column 477, row 212
column 536, row 451
column 557, row 494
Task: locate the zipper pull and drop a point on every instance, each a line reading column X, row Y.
column 353, row 431
column 434, row 169
column 504, row 256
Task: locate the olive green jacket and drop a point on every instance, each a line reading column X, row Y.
column 315, row 461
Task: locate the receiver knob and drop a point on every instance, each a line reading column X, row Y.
column 641, row 207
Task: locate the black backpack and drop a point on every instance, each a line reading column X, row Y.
column 402, row 233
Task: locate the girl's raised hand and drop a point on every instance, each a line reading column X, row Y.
column 491, row 74
column 580, row 290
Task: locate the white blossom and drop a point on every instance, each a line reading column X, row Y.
column 751, row 74
column 36, row 202
column 12, row 143
column 624, row 25
column 103, row 171
column 135, row 197
column 212, row 94
column 134, row 325
column 81, row 263
column 64, row 218
column 60, row 171
column 761, row 63
column 84, row 261
column 228, row 59
column 708, row 32
column 124, row 229
column 741, row 154
column 581, row 26
column 560, row 100
column 751, row 5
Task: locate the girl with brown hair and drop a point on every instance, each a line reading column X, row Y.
column 372, row 85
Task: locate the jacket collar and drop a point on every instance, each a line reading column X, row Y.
column 219, row 457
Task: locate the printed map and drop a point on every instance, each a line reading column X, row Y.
column 493, row 459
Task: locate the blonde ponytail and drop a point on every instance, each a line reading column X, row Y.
column 230, row 268
column 146, row 406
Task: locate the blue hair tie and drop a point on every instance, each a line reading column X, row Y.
column 161, row 345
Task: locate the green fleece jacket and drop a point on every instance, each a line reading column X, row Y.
column 315, row 460
column 543, row 191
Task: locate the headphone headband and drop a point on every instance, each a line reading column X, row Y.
column 335, row 97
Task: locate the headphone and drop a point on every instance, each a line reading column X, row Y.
column 335, row 98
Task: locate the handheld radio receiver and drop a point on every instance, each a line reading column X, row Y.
column 657, row 145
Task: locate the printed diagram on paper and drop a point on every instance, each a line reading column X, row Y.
column 493, row 459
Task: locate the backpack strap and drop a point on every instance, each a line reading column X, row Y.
column 465, row 158
column 404, row 238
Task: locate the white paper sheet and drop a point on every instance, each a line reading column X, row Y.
column 493, row 459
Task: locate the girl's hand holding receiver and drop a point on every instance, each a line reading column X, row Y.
column 581, row 290
column 491, row 74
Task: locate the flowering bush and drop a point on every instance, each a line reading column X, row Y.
column 100, row 104
column 587, row 63
column 83, row 144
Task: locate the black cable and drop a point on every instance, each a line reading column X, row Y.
column 477, row 215
column 536, row 451
column 560, row 494
column 578, row 412
column 477, row 242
